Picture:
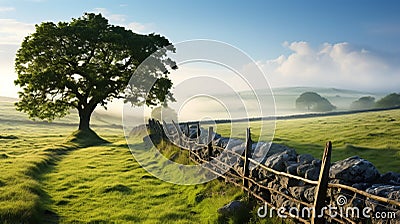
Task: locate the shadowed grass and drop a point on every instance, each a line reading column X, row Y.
column 27, row 150
column 104, row 184
column 45, row 180
column 85, row 138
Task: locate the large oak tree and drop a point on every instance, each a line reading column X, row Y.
column 88, row 62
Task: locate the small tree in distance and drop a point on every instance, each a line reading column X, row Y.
column 86, row 63
column 365, row 102
column 391, row 100
column 311, row 101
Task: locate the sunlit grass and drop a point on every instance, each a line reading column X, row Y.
column 46, row 179
column 373, row 136
column 105, row 184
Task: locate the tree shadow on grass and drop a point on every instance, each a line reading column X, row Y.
column 76, row 141
column 85, row 138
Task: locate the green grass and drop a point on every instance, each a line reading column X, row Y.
column 104, row 184
column 27, row 150
column 373, row 136
column 46, row 177
column 50, row 176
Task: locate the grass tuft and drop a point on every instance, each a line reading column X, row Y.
column 8, row 137
column 118, row 188
column 3, row 156
column 85, row 138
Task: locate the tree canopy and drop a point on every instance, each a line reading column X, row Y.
column 88, row 62
column 365, row 102
column 312, row 101
column 391, row 100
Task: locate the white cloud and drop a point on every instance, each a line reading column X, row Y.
column 7, row 75
column 121, row 20
column 140, row 27
column 13, row 32
column 7, row 9
column 114, row 18
column 332, row 65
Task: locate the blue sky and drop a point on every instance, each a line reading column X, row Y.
column 341, row 44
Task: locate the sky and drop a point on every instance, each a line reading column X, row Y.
column 339, row 44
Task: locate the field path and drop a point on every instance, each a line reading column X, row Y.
column 104, row 184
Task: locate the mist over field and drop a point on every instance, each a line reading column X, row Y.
column 285, row 98
column 227, row 106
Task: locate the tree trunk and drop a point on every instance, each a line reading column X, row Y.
column 84, row 119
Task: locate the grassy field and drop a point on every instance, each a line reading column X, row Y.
column 46, row 179
column 373, row 136
column 105, row 184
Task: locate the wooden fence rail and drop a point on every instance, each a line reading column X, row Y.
column 244, row 180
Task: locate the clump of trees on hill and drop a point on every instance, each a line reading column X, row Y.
column 365, row 102
column 368, row 102
column 311, row 101
column 391, row 100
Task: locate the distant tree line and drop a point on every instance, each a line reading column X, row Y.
column 368, row 102
column 311, row 101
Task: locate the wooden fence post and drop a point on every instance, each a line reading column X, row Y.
column 247, row 155
column 198, row 131
column 151, row 126
column 178, row 132
column 210, row 142
column 187, row 130
column 322, row 187
column 160, row 130
column 188, row 137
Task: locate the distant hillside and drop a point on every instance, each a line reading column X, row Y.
column 285, row 98
column 9, row 114
column 322, row 91
column 296, row 91
column 7, row 99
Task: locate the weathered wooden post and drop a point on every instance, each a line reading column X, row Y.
column 166, row 130
column 210, row 142
column 247, row 155
column 178, row 133
column 198, row 132
column 151, row 126
column 188, row 138
column 187, row 130
column 322, row 187
column 160, row 130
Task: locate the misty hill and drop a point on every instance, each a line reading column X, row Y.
column 7, row 99
column 296, row 91
column 322, row 91
column 9, row 115
column 285, row 97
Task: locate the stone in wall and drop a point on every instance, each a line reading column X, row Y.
column 354, row 170
column 278, row 161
